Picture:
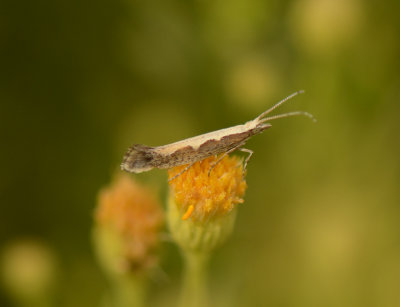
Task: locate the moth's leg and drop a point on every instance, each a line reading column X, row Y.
column 250, row 152
column 223, row 156
column 181, row 172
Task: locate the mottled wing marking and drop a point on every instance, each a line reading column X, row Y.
column 137, row 156
column 179, row 157
column 208, row 147
column 141, row 147
column 229, row 141
column 181, row 153
column 211, row 147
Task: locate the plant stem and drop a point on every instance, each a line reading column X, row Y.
column 129, row 291
column 194, row 291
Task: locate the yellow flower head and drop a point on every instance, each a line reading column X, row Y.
column 201, row 195
column 133, row 215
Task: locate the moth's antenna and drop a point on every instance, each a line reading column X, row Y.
column 279, row 103
column 275, row 106
column 295, row 113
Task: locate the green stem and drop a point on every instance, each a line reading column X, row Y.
column 128, row 291
column 194, row 290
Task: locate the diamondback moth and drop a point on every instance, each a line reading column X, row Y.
column 141, row 158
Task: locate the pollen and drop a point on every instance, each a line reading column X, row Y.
column 202, row 196
column 133, row 212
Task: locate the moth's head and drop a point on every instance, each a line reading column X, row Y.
column 138, row 159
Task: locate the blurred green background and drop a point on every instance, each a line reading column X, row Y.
column 80, row 81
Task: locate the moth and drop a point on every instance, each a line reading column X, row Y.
column 142, row 158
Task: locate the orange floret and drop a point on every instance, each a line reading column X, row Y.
column 201, row 196
column 134, row 213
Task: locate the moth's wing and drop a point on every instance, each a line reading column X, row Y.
column 138, row 158
column 141, row 147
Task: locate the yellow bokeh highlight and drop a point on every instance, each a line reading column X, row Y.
column 325, row 26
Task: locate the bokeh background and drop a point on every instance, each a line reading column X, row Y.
column 83, row 80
